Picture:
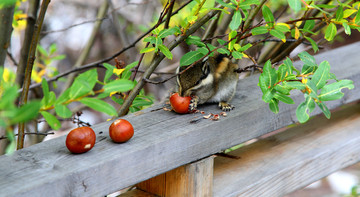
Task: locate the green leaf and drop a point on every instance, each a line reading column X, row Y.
column 307, row 58
column 357, row 18
column 132, row 65
column 282, row 72
column 288, row 63
column 236, row 20
column 269, row 75
column 190, row 58
column 268, row 15
column 304, row 109
column 167, row 32
column 283, row 89
column 165, row 51
column 245, row 47
column 8, row 96
column 141, row 101
column 284, row 98
column 119, row 85
column 282, row 27
column 296, row 85
column 147, row 49
column 150, row 39
column 324, row 109
column 223, row 51
column 221, row 42
column 259, row 30
column 62, row 111
column 274, row 106
column 109, row 71
column 52, row 48
column 295, row 5
column 330, row 32
column 195, row 40
column 99, row 105
column 349, row 12
column 347, row 28
column 237, row 55
column 52, row 99
column 339, row 13
column 221, row 2
column 7, row 3
column 313, row 44
column 248, row 3
column 306, row 69
column 278, row 34
column 45, row 89
column 83, row 84
column 59, row 57
column 321, row 74
column 51, row 120
column 332, row 91
column 268, row 95
column 309, row 25
column 65, row 96
column 26, row 112
column 203, row 50
column 42, row 51
column 313, row 90
column 262, row 84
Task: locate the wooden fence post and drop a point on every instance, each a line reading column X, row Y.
column 191, row 180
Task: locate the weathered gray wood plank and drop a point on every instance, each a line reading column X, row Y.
column 163, row 141
column 290, row 160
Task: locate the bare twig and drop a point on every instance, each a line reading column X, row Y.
column 78, row 69
column 85, row 52
column 71, row 26
column 34, row 133
column 12, row 58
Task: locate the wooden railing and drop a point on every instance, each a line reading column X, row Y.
column 173, row 155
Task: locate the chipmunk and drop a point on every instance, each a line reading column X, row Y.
column 213, row 80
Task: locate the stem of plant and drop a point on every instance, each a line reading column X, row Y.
column 29, row 66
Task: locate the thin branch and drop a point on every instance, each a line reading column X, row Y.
column 34, row 133
column 99, row 62
column 171, row 7
column 78, row 69
column 29, row 66
column 199, row 60
column 85, row 52
column 71, row 26
column 165, row 10
column 159, row 57
column 12, row 58
column 287, row 40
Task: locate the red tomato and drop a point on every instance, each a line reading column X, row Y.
column 121, row 130
column 80, row 140
column 180, row 104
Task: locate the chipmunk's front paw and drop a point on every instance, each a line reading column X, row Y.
column 193, row 103
column 226, row 106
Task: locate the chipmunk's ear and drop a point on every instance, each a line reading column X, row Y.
column 220, row 57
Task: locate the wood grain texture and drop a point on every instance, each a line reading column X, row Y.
column 191, row 180
column 163, row 141
column 293, row 159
